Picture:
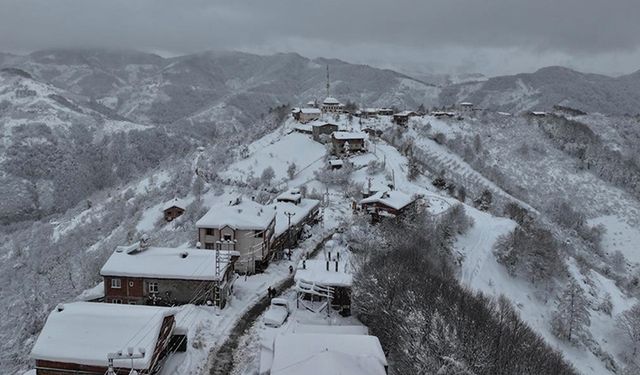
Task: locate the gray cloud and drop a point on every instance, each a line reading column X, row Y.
column 491, row 36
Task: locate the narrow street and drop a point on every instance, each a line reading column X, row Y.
column 221, row 360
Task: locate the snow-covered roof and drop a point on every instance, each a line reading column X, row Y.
column 333, row 329
column 246, row 215
column 466, row 104
column 371, row 110
column 85, row 332
column 331, row 101
column 308, row 353
column 315, row 272
column 310, row 111
column 303, row 128
column 393, row 198
column 300, row 211
column 320, row 124
column 349, row 135
column 405, row 113
column 291, row 195
column 167, row 263
column 175, row 202
column 336, row 162
column 538, row 113
column 504, row 113
column 311, row 103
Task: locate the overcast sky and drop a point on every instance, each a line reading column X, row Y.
column 487, row 36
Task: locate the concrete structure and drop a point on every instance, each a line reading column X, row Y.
column 77, row 338
column 168, row 276
column 331, row 105
column 243, row 226
column 348, row 142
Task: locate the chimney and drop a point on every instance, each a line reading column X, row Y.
column 327, row 265
column 329, row 255
column 336, row 266
column 338, row 254
column 60, row 307
column 304, row 264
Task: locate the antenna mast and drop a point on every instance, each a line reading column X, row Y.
column 327, row 80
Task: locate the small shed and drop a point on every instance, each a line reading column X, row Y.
column 402, row 118
column 291, row 196
column 173, row 209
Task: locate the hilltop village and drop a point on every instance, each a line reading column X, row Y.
column 133, row 320
column 283, row 262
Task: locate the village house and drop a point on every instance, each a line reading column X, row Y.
column 441, row 114
column 331, row 105
column 173, row 209
column 303, row 128
column 328, row 280
column 538, row 113
column 320, row 128
column 305, row 115
column 389, row 203
column 243, row 226
column 348, row 142
column 371, row 132
column 466, row 107
column 402, row 118
column 385, row 111
column 77, row 338
column 168, row 276
column 369, row 113
column 291, row 218
column 290, row 196
column 312, row 104
column 327, row 353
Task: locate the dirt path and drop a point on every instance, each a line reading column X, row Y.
column 221, row 360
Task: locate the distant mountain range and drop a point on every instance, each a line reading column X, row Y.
column 548, row 87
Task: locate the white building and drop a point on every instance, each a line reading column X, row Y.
column 243, row 226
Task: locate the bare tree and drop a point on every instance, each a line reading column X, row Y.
column 571, row 317
column 629, row 322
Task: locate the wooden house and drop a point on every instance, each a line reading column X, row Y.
column 243, row 226
column 320, row 128
column 168, row 276
column 173, row 209
column 345, row 143
column 389, row 203
column 77, row 338
column 402, row 118
column 305, row 115
column 385, row 112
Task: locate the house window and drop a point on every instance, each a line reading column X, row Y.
column 153, row 287
column 227, row 237
column 116, row 283
column 209, row 232
column 259, row 233
column 117, row 301
column 209, row 245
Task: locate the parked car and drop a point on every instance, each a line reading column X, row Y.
column 277, row 313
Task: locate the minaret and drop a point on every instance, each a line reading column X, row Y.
column 327, row 80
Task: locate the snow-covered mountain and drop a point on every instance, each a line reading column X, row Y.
column 548, row 87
